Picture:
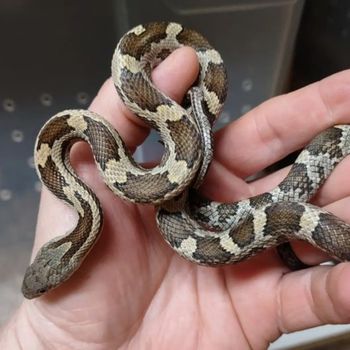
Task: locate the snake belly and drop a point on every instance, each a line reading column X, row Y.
column 201, row 230
column 136, row 54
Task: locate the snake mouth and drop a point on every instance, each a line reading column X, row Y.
column 31, row 286
column 29, row 294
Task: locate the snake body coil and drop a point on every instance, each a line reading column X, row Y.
column 203, row 231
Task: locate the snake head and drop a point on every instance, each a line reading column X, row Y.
column 46, row 272
column 35, row 282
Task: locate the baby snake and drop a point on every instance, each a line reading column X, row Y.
column 203, row 231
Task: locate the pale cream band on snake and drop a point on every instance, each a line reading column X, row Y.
column 202, row 231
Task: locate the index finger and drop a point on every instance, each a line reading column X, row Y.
column 282, row 125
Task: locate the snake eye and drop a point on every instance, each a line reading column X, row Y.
column 42, row 291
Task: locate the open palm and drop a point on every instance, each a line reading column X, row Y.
column 133, row 291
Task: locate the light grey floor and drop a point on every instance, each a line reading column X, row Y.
column 19, row 220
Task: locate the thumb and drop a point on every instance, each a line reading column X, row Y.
column 174, row 76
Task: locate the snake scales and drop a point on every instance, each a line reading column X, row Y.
column 201, row 230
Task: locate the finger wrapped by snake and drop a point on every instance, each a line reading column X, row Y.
column 201, row 230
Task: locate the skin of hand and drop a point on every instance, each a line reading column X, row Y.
column 133, row 291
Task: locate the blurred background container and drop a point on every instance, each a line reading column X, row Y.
column 56, row 54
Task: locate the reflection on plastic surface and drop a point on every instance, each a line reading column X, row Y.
column 193, row 7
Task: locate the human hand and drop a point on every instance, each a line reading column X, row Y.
column 133, row 290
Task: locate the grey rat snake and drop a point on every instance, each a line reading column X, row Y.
column 201, row 230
